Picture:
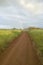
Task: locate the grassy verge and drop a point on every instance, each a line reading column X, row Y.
column 37, row 35
column 6, row 36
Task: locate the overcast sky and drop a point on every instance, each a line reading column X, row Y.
column 21, row 13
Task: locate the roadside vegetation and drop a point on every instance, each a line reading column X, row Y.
column 6, row 36
column 37, row 36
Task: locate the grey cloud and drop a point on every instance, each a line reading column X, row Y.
column 9, row 2
column 17, row 2
column 13, row 14
column 27, row 1
column 4, row 3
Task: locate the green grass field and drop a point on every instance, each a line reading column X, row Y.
column 37, row 35
column 6, row 36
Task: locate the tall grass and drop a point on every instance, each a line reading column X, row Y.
column 6, row 36
column 37, row 36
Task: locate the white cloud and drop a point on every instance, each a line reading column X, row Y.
column 5, row 27
column 35, row 6
column 21, row 12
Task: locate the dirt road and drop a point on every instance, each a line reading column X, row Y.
column 21, row 52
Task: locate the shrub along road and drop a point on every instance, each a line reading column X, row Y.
column 20, row 52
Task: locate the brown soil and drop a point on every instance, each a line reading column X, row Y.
column 20, row 52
